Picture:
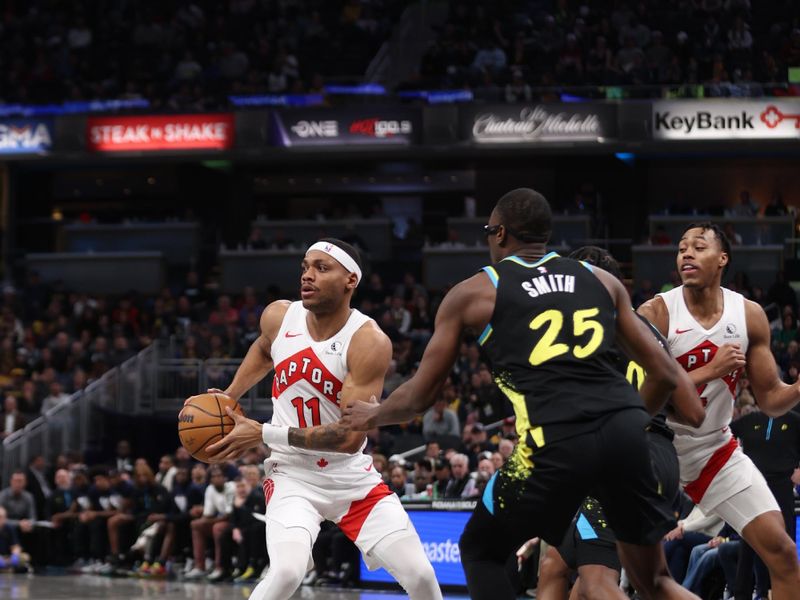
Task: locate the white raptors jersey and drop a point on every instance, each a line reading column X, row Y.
column 308, row 384
column 693, row 346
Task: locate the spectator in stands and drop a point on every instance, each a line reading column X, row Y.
column 12, row 417
column 461, row 485
column 166, row 471
column 747, row 206
column 776, row 206
column 441, row 477
column 505, row 448
column 11, row 555
column 400, row 315
column 62, row 510
column 730, row 231
column 440, row 420
column 122, row 461
column 38, row 484
column 518, row 90
column 217, row 507
column 696, row 530
column 21, row 512
column 781, row 293
column 56, row 397
column 246, row 532
column 398, row 481
column 92, row 530
column 147, row 499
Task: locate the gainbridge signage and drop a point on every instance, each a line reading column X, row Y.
column 379, row 126
column 764, row 119
column 148, row 133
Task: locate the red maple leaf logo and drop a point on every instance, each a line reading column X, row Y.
column 322, row 463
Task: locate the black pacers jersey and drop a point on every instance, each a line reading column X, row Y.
column 551, row 343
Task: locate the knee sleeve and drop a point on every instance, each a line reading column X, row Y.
column 402, row 554
column 290, row 554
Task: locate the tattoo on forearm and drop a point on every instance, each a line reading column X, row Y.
column 322, row 437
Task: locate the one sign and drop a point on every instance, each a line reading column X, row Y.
column 439, row 532
column 160, row 132
column 326, row 127
column 532, row 123
column 768, row 118
column 26, row 136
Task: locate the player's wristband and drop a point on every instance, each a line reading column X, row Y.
column 275, row 434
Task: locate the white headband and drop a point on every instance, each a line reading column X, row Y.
column 342, row 257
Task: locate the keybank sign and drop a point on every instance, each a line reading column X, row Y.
column 769, row 118
column 439, row 532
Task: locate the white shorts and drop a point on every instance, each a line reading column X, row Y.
column 356, row 499
column 744, row 506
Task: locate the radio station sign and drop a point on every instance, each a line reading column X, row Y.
column 26, row 136
column 352, row 127
column 768, row 118
column 532, row 123
column 160, row 132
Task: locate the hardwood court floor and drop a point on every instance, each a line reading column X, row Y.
column 94, row 587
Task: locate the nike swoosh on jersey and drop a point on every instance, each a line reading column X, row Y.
column 291, row 335
column 680, row 331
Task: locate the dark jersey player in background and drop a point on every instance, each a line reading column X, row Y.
column 773, row 444
column 589, row 546
column 549, row 325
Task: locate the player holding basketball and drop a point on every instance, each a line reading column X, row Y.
column 548, row 324
column 325, row 355
column 715, row 333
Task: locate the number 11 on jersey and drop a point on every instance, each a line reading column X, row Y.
column 311, row 404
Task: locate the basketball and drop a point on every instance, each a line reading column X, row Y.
column 203, row 421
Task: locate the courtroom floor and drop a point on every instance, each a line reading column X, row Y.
column 91, row 587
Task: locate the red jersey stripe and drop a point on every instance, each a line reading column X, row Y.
column 352, row 522
column 697, row 488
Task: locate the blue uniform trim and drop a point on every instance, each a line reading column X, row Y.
column 585, row 529
column 544, row 259
column 769, row 428
column 492, row 275
column 588, row 266
column 488, row 496
column 485, row 335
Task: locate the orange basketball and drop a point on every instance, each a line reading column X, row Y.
column 203, row 421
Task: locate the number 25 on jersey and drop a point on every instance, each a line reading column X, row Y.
column 583, row 324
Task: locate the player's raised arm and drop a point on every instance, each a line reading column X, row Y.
column 368, row 359
column 419, row 393
column 774, row 397
column 635, row 339
column 258, row 360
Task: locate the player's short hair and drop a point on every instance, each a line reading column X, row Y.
column 526, row 215
column 598, row 257
column 723, row 240
column 351, row 251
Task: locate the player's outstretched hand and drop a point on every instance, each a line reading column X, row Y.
column 246, row 434
column 360, row 415
column 728, row 358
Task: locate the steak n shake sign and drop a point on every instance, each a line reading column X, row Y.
column 767, row 118
column 514, row 124
column 160, row 132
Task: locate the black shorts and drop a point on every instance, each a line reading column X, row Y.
column 611, row 462
column 589, row 539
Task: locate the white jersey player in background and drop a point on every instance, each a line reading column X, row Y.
column 325, row 356
column 715, row 333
